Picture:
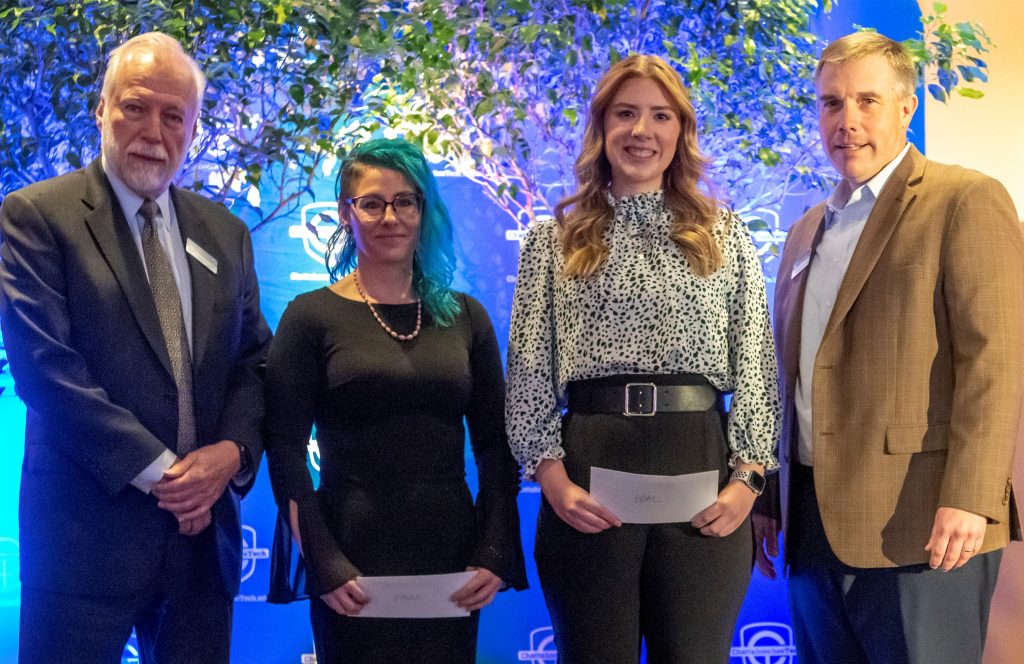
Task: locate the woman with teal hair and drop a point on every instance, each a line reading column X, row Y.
column 391, row 365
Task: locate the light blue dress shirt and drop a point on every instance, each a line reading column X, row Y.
column 845, row 216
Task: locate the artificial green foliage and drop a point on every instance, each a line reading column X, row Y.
column 269, row 110
column 947, row 55
column 495, row 89
column 498, row 89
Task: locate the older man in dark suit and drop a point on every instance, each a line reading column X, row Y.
column 130, row 310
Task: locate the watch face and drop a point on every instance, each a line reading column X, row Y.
column 757, row 481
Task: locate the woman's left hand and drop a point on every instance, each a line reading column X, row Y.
column 726, row 514
column 480, row 590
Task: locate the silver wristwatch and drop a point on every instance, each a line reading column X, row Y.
column 754, row 480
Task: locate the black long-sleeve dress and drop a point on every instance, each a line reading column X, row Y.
column 392, row 498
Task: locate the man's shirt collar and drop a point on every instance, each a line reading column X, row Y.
column 841, row 196
column 131, row 202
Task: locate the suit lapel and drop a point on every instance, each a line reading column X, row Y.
column 204, row 280
column 804, row 243
column 109, row 228
column 896, row 195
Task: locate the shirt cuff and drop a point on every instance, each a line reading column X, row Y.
column 154, row 472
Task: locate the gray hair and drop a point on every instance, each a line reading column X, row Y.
column 153, row 42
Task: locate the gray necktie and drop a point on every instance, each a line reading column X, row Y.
column 168, row 308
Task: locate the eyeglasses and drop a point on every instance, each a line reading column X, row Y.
column 373, row 208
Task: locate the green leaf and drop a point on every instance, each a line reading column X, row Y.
column 280, row 13
column 749, row 46
column 255, row 37
column 484, row 107
column 529, row 33
column 939, row 7
column 756, row 224
column 768, row 156
column 970, row 93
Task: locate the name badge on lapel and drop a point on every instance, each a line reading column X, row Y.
column 201, row 255
column 800, row 264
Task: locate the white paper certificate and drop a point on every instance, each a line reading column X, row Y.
column 426, row 596
column 653, row 498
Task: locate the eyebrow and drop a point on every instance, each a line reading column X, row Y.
column 624, row 104
column 381, row 196
column 858, row 95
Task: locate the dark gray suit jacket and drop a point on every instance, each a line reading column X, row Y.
column 89, row 360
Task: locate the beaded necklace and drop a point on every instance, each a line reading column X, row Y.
column 387, row 328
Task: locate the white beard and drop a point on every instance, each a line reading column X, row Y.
column 145, row 179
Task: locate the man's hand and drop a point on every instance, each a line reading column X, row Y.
column 956, row 536
column 726, row 514
column 478, row 591
column 190, row 487
column 347, row 600
column 766, row 542
column 571, row 502
column 195, row 526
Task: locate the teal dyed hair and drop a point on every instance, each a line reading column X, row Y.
column 433, row 265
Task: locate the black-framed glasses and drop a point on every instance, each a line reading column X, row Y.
column 407, row 207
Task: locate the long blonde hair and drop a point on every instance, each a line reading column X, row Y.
column 583, row 226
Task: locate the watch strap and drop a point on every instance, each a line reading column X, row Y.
column 751, row 479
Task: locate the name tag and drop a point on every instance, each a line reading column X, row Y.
column 201, row 255
column 800, row 264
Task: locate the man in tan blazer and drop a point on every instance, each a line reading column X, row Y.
column 900, row 322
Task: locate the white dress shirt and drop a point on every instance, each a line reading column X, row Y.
column 845, row 216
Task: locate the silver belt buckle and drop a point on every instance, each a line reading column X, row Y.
column 647, row 393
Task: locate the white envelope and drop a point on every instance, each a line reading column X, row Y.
column 653, row 498
column 424, row 596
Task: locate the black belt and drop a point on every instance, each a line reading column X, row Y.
column 641, row 399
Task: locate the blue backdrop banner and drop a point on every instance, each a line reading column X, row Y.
column 289, row 255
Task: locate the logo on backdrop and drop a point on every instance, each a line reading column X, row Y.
column 131, row 651
column 542, row 647
column 10, row 570
column 766, row 643
column 317, row 222
column 250, row 552
column 313, row 452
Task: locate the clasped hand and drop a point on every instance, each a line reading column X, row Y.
column 725, row 515
column 193, row 484
column 579, row 509
column 349, row 599
column 571, row 502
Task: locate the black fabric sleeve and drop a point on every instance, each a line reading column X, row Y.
column 294, row 382
column 499, row 547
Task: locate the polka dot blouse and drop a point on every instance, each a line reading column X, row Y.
column 644, row 312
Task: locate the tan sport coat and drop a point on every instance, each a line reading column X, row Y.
column 919, row 379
